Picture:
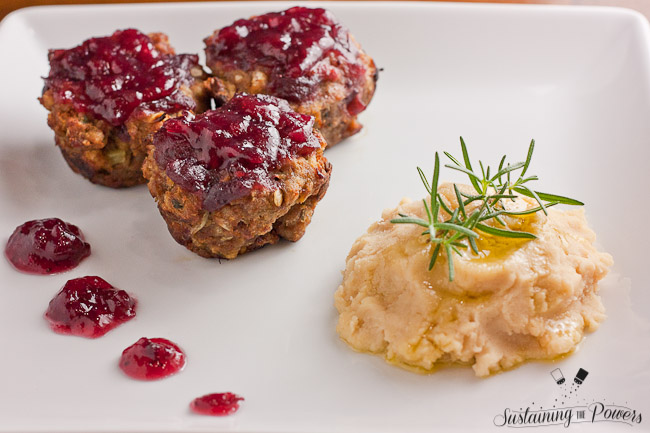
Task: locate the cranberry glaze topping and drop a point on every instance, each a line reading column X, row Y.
column 223, row 154
column 220, row 404
column 112, row 76
column 297, row 48
column 89, row 307
column 46, row 246
column 152, row 359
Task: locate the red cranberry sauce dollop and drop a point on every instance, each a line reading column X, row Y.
column 219, row 404
column 224, row 154
column 89, row 307
column 152, row 359
column 112, row 76
column 46, row 246
column 299, row 48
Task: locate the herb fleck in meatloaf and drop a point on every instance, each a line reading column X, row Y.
column 107, row 95
column 236, row 178
column 302, row 55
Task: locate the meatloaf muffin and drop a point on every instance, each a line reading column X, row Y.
column 236, row 178
column 107, row 95
column 302, row 55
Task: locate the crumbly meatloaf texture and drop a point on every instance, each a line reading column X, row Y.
column 328, row 104
column 108, row 155
column 248, row 223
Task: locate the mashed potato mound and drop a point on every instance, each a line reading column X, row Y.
column 517, row 300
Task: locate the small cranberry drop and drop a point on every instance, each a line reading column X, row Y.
column 152, row 359
column 89, row 307
column 220, row 404
column 46, row 246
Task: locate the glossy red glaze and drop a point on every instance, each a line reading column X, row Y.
column 355, row 105
column 46, row 246
column 112, row 76
column 152, row 359
column 299, row 49
column 220, row 404
column 89, row 307
column 223, row 154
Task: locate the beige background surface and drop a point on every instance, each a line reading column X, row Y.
column 643, row 6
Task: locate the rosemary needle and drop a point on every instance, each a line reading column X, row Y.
column 490, row 189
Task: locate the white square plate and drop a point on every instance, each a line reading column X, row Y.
column 575, row 79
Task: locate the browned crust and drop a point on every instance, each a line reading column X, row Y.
column 328, row 105
column 161, row 43
column 108, row 155
column 248, row 223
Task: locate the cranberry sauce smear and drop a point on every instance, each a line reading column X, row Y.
column 296, row 48
column 89, row 307
column 220, row 404
column 112, row 76
column 152, row 359
column 46, row 246
column 223, row 154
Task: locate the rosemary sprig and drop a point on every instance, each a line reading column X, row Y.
column 460, row 228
